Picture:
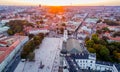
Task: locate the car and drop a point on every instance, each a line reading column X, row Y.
column 23, row 60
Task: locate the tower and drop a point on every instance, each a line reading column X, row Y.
column 65, row 36
column 40, row 5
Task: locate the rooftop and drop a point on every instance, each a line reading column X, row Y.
column 73, row 46
column 91, row 20
column 104, row 63
column 73, row 66
column 5, row 51
column 117, row 66
column 80, row 56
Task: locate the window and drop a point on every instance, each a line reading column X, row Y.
column 90, row 64
column 77, row 61
column 90, row 61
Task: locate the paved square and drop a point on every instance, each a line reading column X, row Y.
column 48, row 54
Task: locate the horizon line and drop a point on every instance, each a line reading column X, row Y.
column 58, row 5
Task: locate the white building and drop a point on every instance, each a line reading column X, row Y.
column 2, row 27
column 37, row 31
column 114, row 28
column 75, row 58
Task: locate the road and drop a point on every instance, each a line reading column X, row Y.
column 75, row 34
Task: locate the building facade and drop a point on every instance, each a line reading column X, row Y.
column 74, row 57
column 9, row 52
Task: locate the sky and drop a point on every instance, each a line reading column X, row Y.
column 62, row 2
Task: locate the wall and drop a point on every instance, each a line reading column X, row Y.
column 103, row 67
column 86, row 63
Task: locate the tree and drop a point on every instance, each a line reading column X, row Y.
column 104, row 52
column 31, row 36
column 110, row 22
column 31, row 56
column 111, row 48
column 97, row 47
column 105, row 38
column 91, row 50
column 116, row 44
column 10, row 32
column 116, row 34
column 23, row 55
column 95, row 38
column 41, row 35
column 63, row 24
column 41, row 21
column 61, row 30
column 117, row 56
column 37, row 42
column 99, row 31
column 31, row 44
column 102, row 42
column 89, row 43
column 99, row 21
column 17, row 26
column 36, row 38
column 105, row 29
column 86, row 39
column 27, row 49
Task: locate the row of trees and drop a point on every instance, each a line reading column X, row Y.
column 103, row 30
column 106, row 29
column 111, row 23
column 29, row 47
column 17, row 26
column 61, row 28
column 104, row 50
column 115, row 34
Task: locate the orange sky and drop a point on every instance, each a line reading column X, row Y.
column 61, row 2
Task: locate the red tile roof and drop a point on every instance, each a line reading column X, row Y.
column 115, row 39
column 2, row 42
column 8, row 50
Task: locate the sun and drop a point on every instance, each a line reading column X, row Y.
column 56, row 9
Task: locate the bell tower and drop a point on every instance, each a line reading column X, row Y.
column 65, row 36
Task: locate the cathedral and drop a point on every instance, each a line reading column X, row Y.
column 74, row 57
